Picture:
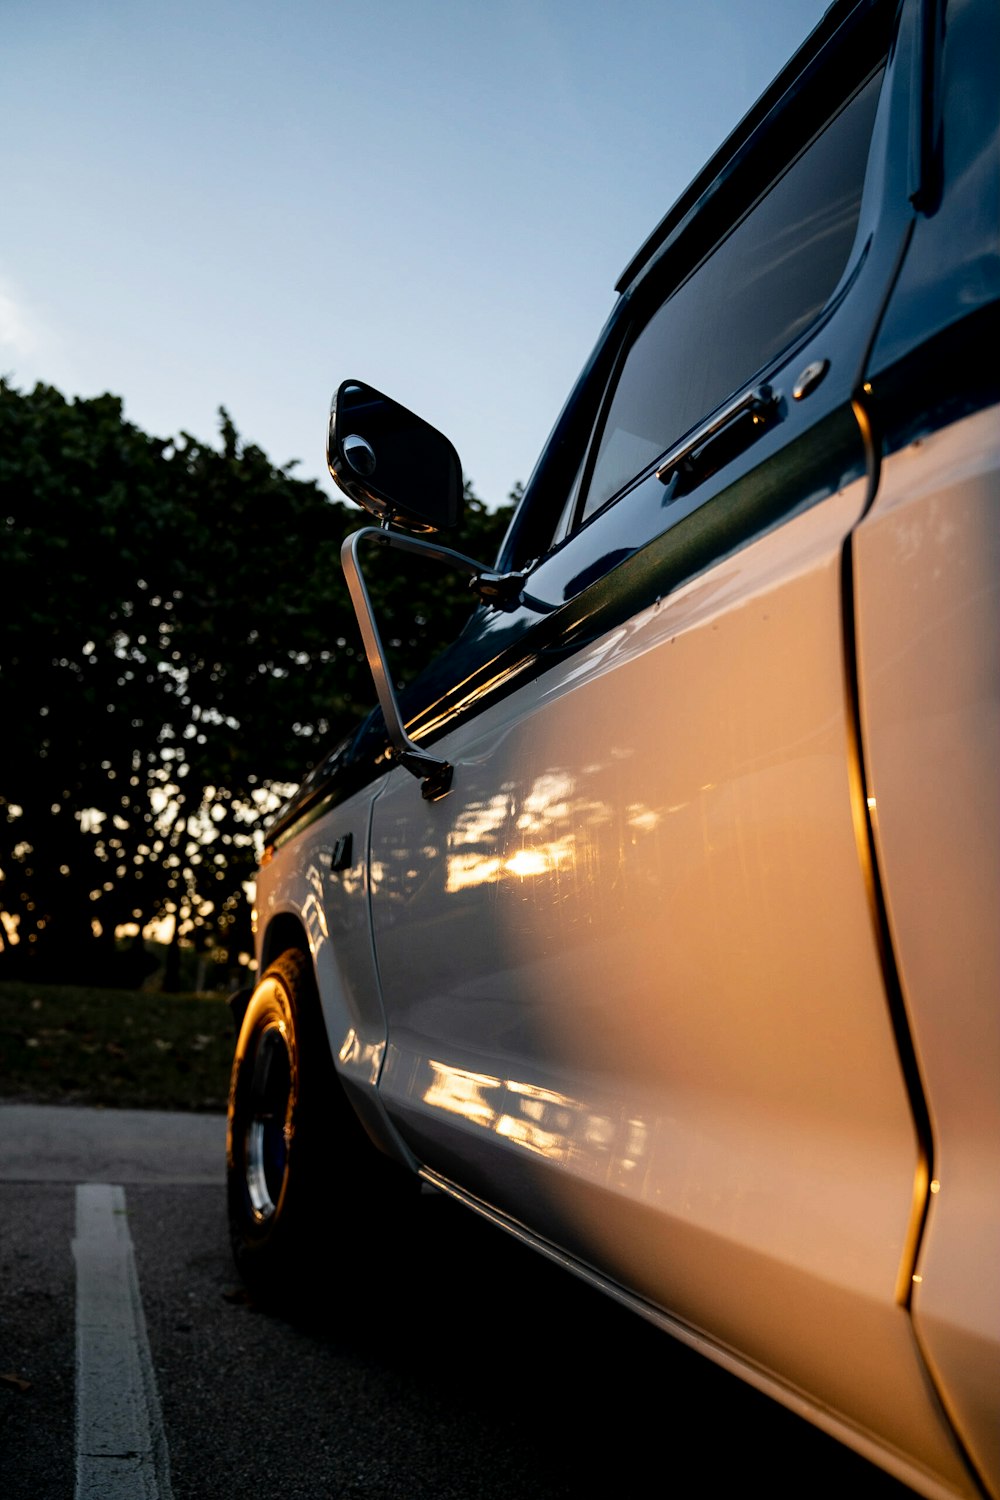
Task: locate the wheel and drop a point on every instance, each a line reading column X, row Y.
column 308, row 1194
column 267, row 1149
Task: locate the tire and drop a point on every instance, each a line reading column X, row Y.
column 306, row 1189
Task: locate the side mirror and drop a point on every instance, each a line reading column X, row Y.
column 404, row 472
column 392, row 463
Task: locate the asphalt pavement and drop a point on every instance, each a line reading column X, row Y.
column 473, row 1368
column 63, row 1143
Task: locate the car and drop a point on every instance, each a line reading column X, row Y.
column 656, row 920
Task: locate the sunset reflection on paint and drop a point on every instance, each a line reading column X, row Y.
column 543, row 1121
column 525, row 836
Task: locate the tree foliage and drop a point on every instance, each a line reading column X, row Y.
column 178, row 647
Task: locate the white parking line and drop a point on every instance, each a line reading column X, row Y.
column 121, row 1450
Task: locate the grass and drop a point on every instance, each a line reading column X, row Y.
column 122, row 1049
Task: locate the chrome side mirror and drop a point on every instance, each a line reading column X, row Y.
column 391, row 462
column 406, row 473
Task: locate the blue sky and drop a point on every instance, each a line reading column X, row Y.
column 242, row 204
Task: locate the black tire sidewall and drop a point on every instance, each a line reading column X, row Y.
column 266, row 1249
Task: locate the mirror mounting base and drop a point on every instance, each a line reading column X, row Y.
column 435, row 782
column 501, row 590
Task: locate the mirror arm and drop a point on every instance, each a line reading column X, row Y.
column 433, row 774
column 502, row 590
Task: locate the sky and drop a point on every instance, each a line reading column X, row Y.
column 241, row 203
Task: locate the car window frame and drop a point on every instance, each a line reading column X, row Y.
column 655, row 296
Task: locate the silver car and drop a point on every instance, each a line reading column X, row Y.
column 658, row 920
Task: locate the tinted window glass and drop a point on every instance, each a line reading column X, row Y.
column 758, row 290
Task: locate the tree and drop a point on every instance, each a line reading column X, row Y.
column 182, row 648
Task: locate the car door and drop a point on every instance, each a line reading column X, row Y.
column 634, row 991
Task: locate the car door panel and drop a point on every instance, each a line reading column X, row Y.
column 632, row 981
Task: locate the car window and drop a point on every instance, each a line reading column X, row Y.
column 758, row 290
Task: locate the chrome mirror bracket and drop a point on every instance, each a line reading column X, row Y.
column 434, row 774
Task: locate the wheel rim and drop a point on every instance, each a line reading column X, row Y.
column 269, row 1126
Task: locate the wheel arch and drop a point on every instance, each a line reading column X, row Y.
column 286, row 931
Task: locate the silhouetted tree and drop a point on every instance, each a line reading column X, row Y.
column 177, row 648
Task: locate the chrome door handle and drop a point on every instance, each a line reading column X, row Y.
column 760, row 404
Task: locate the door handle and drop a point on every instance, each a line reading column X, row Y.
column 342, row 856
column 718, row 440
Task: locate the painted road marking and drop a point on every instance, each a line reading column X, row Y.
column 121, row 1449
